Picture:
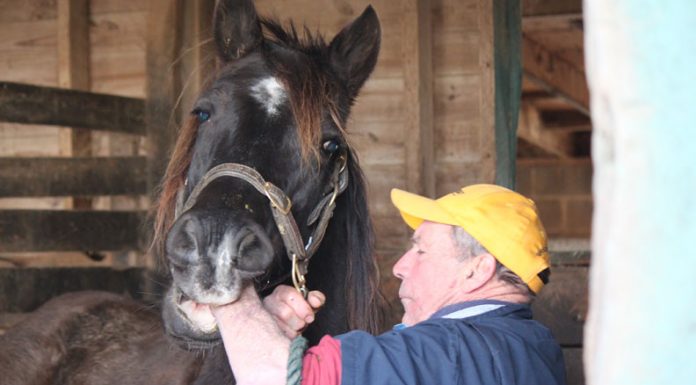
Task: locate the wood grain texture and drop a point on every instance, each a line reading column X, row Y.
column 22, row 103
column 37, row 177
column 37, row 230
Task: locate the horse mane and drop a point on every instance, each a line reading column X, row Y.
column 365, row 302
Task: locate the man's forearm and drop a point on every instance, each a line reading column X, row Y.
column 256, row 347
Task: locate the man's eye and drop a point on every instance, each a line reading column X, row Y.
column 201, row 115
column 419, row 251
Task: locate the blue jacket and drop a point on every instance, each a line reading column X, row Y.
column 478, row 342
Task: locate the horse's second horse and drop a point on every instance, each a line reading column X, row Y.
column 262, row 189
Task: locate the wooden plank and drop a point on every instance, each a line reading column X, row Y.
column 550, row 7
column 35, row 177
column 198, row 57
column 486, row 96
column 532, row 130
column 562, row 304
column 27, row 10
column 23, row 103
column 418, row 97
column 163, row 84
column 508, row 88
column 35, row 230
column 23, row 290
column 575, row 371
column 555, row 74
column 73, row 73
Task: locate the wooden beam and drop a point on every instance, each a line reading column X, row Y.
column 24, row 290
column 556, row 75
column 73, row 73
column 532, row 130
column 38, row 230
column 416, row 32
column 550, row 7
column 508, row 88
column 28, row 104
column 73, row 44
column 198, row 58
column 163, row 83
column 37, row 177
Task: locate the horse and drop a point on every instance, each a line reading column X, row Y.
column 262, row 188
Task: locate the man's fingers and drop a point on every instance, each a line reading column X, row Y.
column 316, row 299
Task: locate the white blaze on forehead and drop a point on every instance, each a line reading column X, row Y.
column 270, row 94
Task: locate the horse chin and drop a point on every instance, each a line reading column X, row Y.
column 190, row 323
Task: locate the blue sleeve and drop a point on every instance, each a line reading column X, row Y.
column 424, row 354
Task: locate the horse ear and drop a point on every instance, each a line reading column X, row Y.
column 353, row 52
column 236, row 28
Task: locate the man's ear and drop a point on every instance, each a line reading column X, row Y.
column 481, row 271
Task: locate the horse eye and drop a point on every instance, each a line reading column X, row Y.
column 330, row 146
column 201, row 115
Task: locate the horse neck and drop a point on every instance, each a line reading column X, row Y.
column 344, row 269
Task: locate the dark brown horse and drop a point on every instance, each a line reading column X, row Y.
column 262, row 174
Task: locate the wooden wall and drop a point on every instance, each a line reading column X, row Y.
column 32, row 50
column 423, row 122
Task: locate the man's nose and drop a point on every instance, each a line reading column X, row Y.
column 400, row 268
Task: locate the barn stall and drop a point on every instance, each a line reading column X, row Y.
column 465, row 91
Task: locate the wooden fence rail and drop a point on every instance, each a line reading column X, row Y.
column 37, row 177
column 29, row 104
column 63, row 230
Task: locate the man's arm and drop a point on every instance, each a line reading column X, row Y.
column 257, row 335
column 256, row 347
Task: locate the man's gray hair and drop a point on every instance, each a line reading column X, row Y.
column 470, row 247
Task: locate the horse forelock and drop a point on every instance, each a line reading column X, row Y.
column 174, row 178
column 302, row 66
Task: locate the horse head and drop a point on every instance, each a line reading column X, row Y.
column 259, row 167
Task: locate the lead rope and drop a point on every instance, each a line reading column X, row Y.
column 298, row 346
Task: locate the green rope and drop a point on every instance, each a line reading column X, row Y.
column 297, row 349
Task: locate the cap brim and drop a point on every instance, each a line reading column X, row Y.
column 415, row 209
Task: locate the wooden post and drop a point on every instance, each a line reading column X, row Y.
column 73, row 72
column 640, row 58
column 416, row 32
column 163, row 84
column 507, row 26
column 197, row 53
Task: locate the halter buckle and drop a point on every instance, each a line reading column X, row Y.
column 298, row 279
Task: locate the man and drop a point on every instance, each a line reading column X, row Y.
column 478, row 258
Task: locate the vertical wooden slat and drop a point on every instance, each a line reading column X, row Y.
column 73, row 72
column 416, row 31
column 507, row 32
column 487, row 91
column 197, row 55
column 163, row 85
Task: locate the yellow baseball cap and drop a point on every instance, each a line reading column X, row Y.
column 506, row 223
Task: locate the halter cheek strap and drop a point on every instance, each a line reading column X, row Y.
column 281, row 206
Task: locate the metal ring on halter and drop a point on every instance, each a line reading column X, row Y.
column 298, row 279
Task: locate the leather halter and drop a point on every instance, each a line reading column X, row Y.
column 281, row 205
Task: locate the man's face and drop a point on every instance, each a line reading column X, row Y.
column 430, row 272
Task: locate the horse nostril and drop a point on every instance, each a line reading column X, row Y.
column 182, row 243
column 253, row 250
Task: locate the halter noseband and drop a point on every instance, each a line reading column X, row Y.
column 281, row 206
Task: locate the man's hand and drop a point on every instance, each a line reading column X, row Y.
column 290, row 311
